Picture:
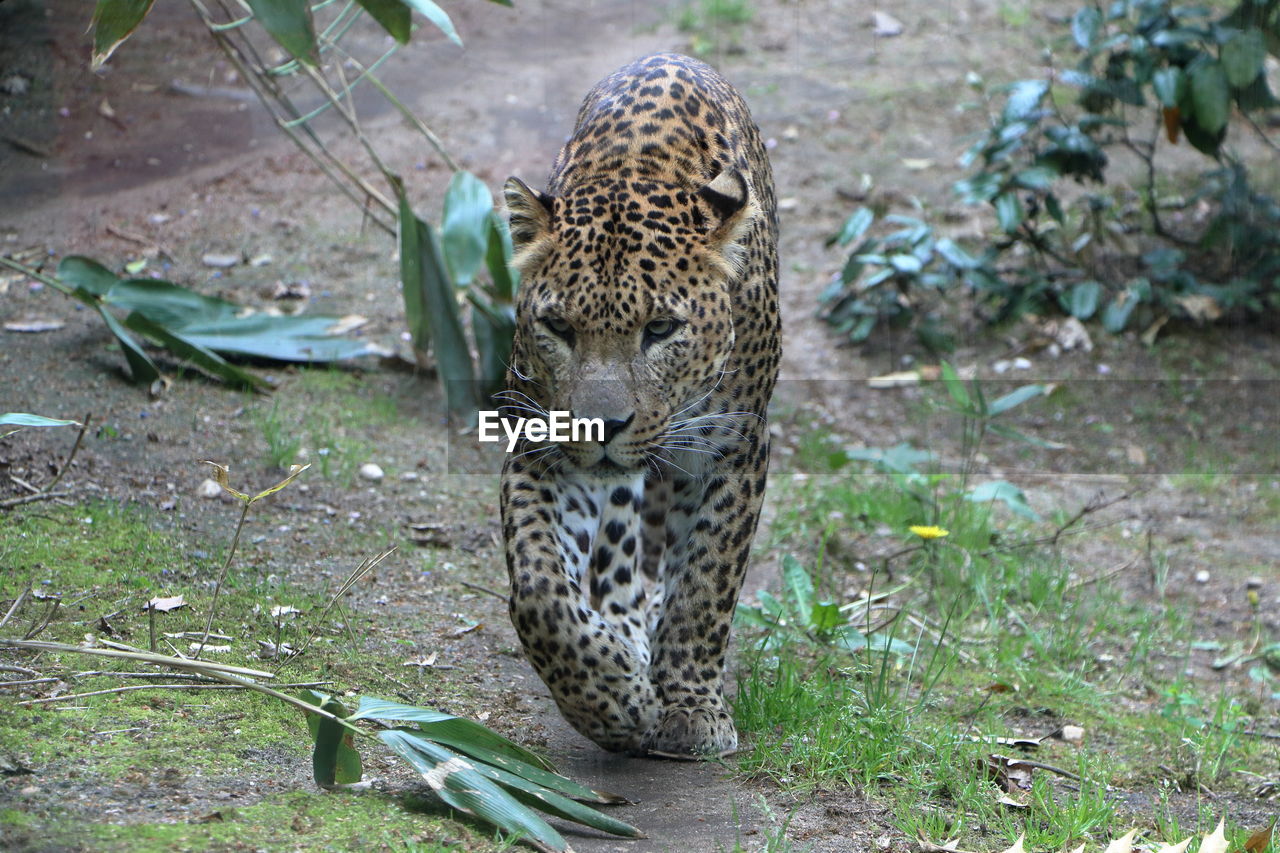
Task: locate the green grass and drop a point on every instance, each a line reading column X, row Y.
column 714, row 24
column 102, row 561
column 327, row 417
column 294, row 821
column 1003, row 638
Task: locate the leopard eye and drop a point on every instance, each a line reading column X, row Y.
column 558, row 326
column 660, row 329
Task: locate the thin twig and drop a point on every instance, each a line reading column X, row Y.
column 28, row 681
column 177, row 686
column 1110, row 573
column 486, row 590
column 9, row 503
column 1040, row 765
column 352, row 579
column 1096, row 505
column 222, row 575
column 75, row 448
column 220, row 672
column 13, row 608
column 21, row 670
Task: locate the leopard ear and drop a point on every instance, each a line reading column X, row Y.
column 735, row 208
column 530, row 222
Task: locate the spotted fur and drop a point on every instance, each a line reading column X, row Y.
column 649, row 300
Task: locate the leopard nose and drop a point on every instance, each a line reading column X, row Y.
column 614, row 426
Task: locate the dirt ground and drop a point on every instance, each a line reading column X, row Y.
column 165, row 149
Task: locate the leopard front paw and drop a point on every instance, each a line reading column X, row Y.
column 692, row 734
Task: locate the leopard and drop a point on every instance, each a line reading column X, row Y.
column 647, row 303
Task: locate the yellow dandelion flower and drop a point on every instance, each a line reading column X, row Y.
column 928, row 532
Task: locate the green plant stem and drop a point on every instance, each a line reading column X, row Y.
column 231, row 552
column 281, row 110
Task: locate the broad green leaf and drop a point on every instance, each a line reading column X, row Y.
column 1036, row 177
column 201, row 357
column 1084, row 299
column 410, row 238
column 300, row 338
column 1014, row 435
column 1085, row 26
column 25, row 420
column 772, row 608
column 1054, row 207
column 1210, row 97
column 1005, row 492
column 392, row 15
column 373, row 708
column 334, row 759
column 955, row 386
column 798, row 585
column 1116, row 315
column 456, row 782
column 825, row 616
column 494, row 330
column 854, row 227
column 887, row 643
column 543, row 797
column 906, row 264
column 1024, row 99
column 545, row 778
column 113, row 22
column 87, row 274
column 850, row 639
column 167, row 303
column 465, row 227
column 1242, row 57
column 498, row 260
column 289, row 23
column 437, row 16
column 953, row 254
column 453, row 354
column 1014, row 399
column 1170, row 85
column 141, row 368
column 1008, row 212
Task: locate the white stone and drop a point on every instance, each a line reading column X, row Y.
column 371, row 472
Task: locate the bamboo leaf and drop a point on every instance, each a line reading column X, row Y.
column 465, row 226
column 25, row 420
column 456, row 782
column 437, row 16
column 289, row 23
column 392, row 15
column 113, row 22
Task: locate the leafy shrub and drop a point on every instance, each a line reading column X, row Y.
column 1150, row 75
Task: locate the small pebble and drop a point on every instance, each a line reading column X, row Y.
column 371, row 472
column 1254, row 582
column 208, row 490
column 1202, row 576
column 218, row 260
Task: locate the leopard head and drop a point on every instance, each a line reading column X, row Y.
column 624, row 310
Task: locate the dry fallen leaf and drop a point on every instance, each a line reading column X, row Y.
column 1017, row 845
column 1123, row 844
column 1260, row 840
column 164, row 605
column 1216, row 841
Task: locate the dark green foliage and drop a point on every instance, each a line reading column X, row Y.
column 1149, row 75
